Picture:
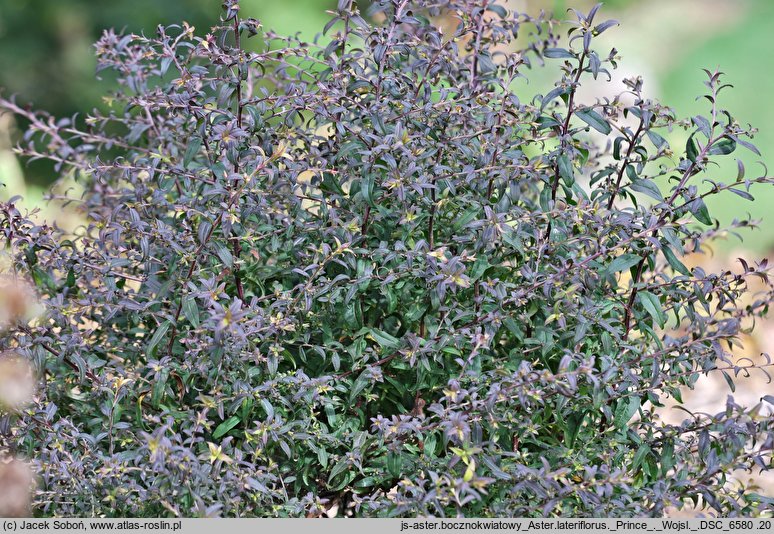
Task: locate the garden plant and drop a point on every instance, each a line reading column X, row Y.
column 379, row 274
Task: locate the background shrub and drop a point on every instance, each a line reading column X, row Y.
column 365, row 273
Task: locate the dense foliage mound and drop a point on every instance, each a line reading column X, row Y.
column 375, row 273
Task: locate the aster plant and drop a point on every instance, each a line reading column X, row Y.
column 379, row 273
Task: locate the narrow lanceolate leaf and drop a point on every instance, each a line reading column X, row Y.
column 341, row 466
column 465, row 217
column 652, row 305
column 500, row 10
column 594, row 119
column 703, row 125
column 191, row 310
column 358, row 385
column 558, row 53
column 225, row 255
column 744, row 194
column 268, row 408
column 656, row 139
column 699, row 210
column 553, row 93
column 367, row 189
column 640, row 455
column 203, row 231
column 623, row 262
column 647, row 187
column 565, row 169
column 158, row 336
column 748, row 145
column 722, row 146
column 223, row 428
column 625, row 410
column 193, row 148
column 675, row 263
column 384, row 339
column 691, row 149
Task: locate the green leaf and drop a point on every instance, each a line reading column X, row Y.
column 330, row 184
column 485, row 63
column 394, row 463
column 465, row 218
column 159, row 387
column 191, row 310
column 70, row 282
column 744, row 194
column 617, row 148
column 652, row 305
column 341, row 466
column 454, row 351
column 161, row 331
column 359, row 385
column 322, row 457
column 656, row 139
column 703, row 125
column 676, row 264
column 572, row 426
column 729, row 381
column 204, row 229
column 367, row 189
column 667, row 457
column 558, row 53
column 546, row 122
column 479, row 268
column 80, row 363
column 594, row 119
column 647, row 187
column 415, row 312
column 268, row 408
column 43, row 280
column 553, row 93
column 545, row 198
column 367, row 482
column 699, row 210
column 691, row 149
column 623, row 262
column 353, row 313
column 640, row 455
column 625, row 410
column 330, row 412
column 392, row 299
column 565, row 169
column 722, row 146
column 226, row 426
column 194, row 145
column 500, row 10
column 225, row 255
column 748, row 145
column 385, row 340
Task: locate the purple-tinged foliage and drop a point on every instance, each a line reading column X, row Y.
column 368, row 271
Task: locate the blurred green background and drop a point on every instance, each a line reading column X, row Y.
column 46, row 57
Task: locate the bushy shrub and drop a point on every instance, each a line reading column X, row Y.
column 373, row 272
